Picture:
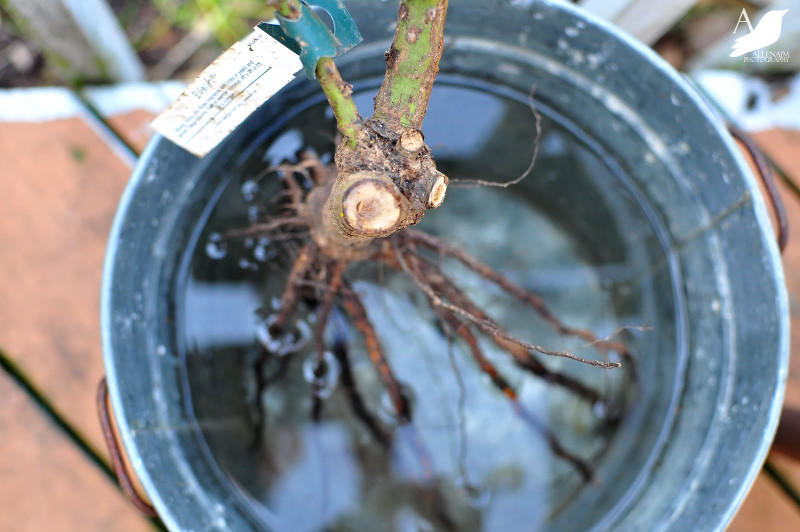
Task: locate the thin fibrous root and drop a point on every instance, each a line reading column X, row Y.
column 536, row 302
column 354, row 397
column 503, row 385
column 425, row 274
column 310, row 161
column 307, row 167
column 288, row 304
column 522, row 356
column 358, row 314
column 471, row 183
column 305, row 164
column 335, row 270
column 485, row 324
column 265, row 228
column 262, row 381
column 555, row 445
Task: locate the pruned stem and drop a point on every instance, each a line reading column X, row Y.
column 386, row 176
column 412, row 63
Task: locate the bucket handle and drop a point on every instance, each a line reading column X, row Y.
column 765, row 174
column 123, row 477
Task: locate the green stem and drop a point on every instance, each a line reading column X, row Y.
column 412, row 63
column 339, row 94
column 338, row 91
column 286, row 8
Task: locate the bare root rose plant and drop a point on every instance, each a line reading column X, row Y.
column 363, row 207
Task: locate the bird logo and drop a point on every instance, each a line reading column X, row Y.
column 766, row 32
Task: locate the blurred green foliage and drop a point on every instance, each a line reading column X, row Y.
column 226, row 20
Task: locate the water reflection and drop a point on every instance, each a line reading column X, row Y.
column 468, row 454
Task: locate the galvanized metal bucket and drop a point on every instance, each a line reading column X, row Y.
column 714, row 371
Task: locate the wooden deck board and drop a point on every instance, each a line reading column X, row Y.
column 766, row 508
column 61, row 187
column 49, row 483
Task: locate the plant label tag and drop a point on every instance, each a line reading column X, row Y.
column 227, row 92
